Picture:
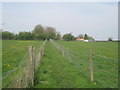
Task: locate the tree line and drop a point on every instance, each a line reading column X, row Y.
column 41, row 33
column 70, row 37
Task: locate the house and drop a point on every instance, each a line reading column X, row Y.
column 80, row 39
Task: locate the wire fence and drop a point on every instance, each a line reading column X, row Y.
column 23, row 75
column 22, row 62
column 101, row 69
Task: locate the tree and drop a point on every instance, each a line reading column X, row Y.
column 25, row 36
column 39, row 29
column 110, row 39
column 90, row 38
column 81, row 36
column 7, row 35
column 38, row 32
column 68, row 37
column 58, row 36
column 86, row 37
column 50, row 33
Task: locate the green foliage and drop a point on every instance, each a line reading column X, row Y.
column 39, row 29
column 75, row 38
column 42, row 33
column 80, row 36
column 50, row 33
column 39, row 33
column 7, row 35
column 86, row 37
column 25, row 36
column 90, row 38
column 58, row 36
column 68, row 37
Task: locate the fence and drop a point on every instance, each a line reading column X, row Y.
column 96, row 68
column 24, row 74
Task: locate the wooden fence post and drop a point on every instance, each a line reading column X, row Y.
column 43, row 49
column 41, row 52
column 34, row 66
column 31, row 63
column 91, row 65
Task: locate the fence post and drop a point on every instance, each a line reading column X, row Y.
column 68, row 55
column 41, row 53
column 31, row 63
column 91, row 65
column 34, row 66
column 43, row 49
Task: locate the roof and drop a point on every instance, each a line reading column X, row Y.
column 80, row 39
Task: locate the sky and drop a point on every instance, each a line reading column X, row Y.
column 97, row 19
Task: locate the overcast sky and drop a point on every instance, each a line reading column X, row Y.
column 99, row 20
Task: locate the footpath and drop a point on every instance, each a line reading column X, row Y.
column 56, row 72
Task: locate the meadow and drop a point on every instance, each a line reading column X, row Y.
column 14, row 52
column 104, row 60
column 71, row 70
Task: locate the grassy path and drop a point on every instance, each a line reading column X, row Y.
column 56, row 72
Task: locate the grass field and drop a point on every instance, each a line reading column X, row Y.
column 105, row 60
column 56, row 71
column 108, row 49
column 12, row 54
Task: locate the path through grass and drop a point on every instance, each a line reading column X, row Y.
column 56, row 72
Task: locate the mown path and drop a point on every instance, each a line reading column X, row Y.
column 56, row 72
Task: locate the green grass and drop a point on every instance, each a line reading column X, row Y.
column 56, row 72
column 13, row 52
column 108, row 49
column 105, row 70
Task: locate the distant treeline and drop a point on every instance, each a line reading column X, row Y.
column 39, row 33
column 42, row 33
